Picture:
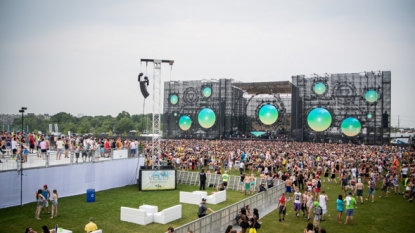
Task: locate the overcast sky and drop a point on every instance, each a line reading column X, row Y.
column 84, row 56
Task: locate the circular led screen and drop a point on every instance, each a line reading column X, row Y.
column 371, row 96
column 319, row 88
column 351, row 126
column 207, row 92
column 319, row 119
column 268, row 114
column 206, row 118
column 185, row 123
column 369, row 116
column 174, row 99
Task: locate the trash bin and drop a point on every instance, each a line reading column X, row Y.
column 90, row 195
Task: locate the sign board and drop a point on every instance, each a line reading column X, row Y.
column 158, row 179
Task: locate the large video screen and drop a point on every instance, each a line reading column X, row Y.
column 206, row 118
column 371, row 96
column 158, row 179
column 319, row 119
column 268, row 114
column 351, row 126
column 185, row 123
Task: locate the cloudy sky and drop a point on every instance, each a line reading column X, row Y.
column 84, row 56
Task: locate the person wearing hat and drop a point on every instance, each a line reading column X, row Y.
column 318, row 211
column 91, row 226
column 350, row 201
column 202, row 208
column 46, row 195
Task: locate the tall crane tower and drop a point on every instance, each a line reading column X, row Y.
column 157, row 108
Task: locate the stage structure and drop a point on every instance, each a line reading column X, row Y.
column 267, row 109
column 157, row 105
column 353, row 107
column 225, row 108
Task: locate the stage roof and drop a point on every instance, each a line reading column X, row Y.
column 281, row 87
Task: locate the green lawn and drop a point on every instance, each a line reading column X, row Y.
column 384, row 215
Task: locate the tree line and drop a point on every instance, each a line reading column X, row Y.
column 122, row 124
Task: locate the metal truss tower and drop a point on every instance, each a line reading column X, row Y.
column 157, row 108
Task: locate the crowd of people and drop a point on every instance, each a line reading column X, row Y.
column 303, row 167
column 86, row 148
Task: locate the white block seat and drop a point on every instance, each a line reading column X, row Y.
column 192, row 197
column 136, row 216
column 216, row 198
column 168, row 215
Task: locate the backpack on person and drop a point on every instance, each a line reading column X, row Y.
column 319, row 184
column 318, row 210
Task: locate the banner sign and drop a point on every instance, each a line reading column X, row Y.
column 158, row 179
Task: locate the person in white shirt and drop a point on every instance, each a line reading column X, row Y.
column 323, row 198
column 133, row 147
column 14, row 146
column 59, row 148
column 297, row 202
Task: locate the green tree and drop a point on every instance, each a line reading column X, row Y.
column 84, row 126
column 123, row 114
column 124, row 125
column 62, row 117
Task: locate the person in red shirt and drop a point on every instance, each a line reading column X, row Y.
column 282, row 205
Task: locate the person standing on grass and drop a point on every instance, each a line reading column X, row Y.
column 318, row 211
column 40, row 200
column 288, row 187
column 297, row 202
column 46, row 195
column 247, row 182
column 384, row 191
column 202, row 209
column 54, row 204
column 170, row 230
column 371, row 189
column 91, row 226
column 202, row 176
column 225, row 178
column 310, row 206
column 340, row 208
column 359, row 190
column 323, row 198
column 282, row 207
column 350, row 201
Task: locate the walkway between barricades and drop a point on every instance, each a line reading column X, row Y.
column 265, row 202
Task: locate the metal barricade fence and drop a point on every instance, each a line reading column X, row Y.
column 218, row 221
column 213, row 180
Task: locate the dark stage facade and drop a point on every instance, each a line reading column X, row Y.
column 351, row 107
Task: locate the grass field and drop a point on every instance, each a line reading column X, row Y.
column 393, row 214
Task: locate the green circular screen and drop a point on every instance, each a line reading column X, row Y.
column 185, row 123
column 207, row 92
column 206, row 118
column 369, row 116
column 319, row 88
column 174, row 99
column 319, row 119
column 268, row 114
column 351, row 126
column 371, row 96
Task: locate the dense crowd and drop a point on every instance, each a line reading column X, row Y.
column 303, row 167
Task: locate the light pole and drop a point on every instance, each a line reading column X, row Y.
column 21, row 160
